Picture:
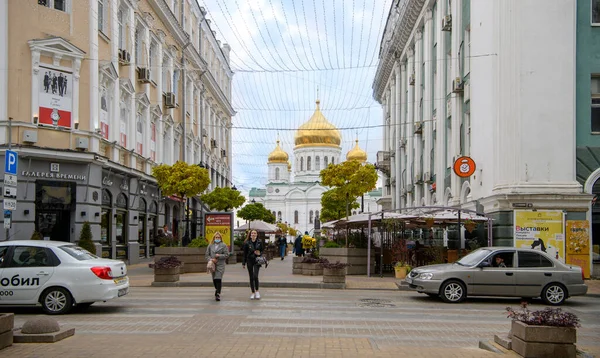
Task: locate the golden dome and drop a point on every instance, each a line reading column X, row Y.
column 357, row 154
column 289, row 167
column 318, row 132
column 278, row 155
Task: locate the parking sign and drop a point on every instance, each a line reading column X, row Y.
column 10, row 162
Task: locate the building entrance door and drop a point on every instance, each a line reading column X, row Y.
column 54, row 224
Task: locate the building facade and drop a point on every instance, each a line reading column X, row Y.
column 98, row 92
column 481, row 79
column 294, row 196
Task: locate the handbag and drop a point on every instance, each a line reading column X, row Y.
column 262, row 260
column 210, row 267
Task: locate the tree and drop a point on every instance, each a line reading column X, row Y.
column 223, row 199
column 287, row 230
column 181, row 179
column 85, row 238
column 256, row 211
column 333, row 205
column 350, row 179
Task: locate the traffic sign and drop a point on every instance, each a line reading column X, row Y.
column 7, row 213
column 10, row 179
column 7, row 223
column 10, row 204
column 10, row 192
column 10, row 162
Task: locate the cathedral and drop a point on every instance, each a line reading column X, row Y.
column 293, row 193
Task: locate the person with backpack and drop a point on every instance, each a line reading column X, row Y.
column 253, row 248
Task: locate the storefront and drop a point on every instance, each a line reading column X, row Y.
column 106, row 224
column 121, row 226
column 55, row 203
column 142, row 236
column 153, row 225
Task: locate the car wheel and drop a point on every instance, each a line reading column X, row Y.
column 554, row 294
column 453, row 292
column 56, row 300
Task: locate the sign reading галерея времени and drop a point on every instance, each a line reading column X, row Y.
column 49, row 175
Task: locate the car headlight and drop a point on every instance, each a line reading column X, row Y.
column 426, row 276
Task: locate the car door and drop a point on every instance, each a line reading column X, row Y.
column 534, row 271
column 495, row 281
column 27, row 270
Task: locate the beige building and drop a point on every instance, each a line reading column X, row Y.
column 99, row 92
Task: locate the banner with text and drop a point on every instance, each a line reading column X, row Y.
column 541, row 230
column 221, row 223
column 578, row 244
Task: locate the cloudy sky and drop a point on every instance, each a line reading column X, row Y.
column 283, row 52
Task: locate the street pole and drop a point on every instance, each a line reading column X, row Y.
column 9, row 148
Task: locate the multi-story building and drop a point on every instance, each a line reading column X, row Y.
column 97, row 93
column 504, row 82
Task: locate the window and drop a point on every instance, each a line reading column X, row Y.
column 54, row 4
column 121, row 17
column 317, row 163
column 101, row 15
column 467, row 52
column 78, row 253
column 595, row 89
column 310, row 217
column 279, row 215
column 296, row 217
column 138, row 48
column 596, row 12
column 531, row 259
column 152, row 61
column 308, row 163
column 325, row 163
column 333, row 160
column 276, row 173
column 30, row 256
column 301, row 163
column 317, row 217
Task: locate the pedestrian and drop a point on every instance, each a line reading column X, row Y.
column 298, row 246
column 252, row 249
column 218, row 252
column 282, row 243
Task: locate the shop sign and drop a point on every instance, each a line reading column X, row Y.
column 49, row 175
column 541, row 230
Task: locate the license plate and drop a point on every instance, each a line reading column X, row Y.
column 123, row 292
column 120, row 280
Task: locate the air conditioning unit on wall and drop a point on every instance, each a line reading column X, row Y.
column 447, row 23
column 169, row 100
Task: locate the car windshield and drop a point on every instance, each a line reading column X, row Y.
column 78, row 253
column 474, row 257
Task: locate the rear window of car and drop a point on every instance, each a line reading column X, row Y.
column 78, row 253
column 531, row 259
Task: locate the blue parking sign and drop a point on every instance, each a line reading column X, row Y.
column 10, row 162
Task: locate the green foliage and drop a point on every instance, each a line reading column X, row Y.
column 351, row 177
column 85, row 238
column 223, row 199
column 198, row 242
column 256, row 211
column 181, row 179
column 331, row 244
column 36, row 236
column 333, row 205
column 238, row 242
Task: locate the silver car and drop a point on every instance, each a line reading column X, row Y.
column 500, row 271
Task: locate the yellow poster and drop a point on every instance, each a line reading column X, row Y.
column 578, row 244
column 218, row 222
column 541, row 230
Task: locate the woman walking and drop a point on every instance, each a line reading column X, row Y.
column 218, row 252
column 253, row 248
column 282, row 242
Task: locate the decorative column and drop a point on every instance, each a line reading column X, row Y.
column 160, row 140
column 4, row 64
column 402, row 133
column 427, row 105
column 441, row 114
column 92, row 61
column 391, row 145
column 418, row 114
column 456, row 99
column 131, row 132
column 410, row 126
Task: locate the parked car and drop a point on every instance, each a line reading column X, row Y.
column 57, row 275
column 500, row 271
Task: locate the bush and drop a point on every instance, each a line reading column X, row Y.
column 546, row 317
column 333, row 265
column 311, row 260
column 198, row 242
column 36, row 236
column 165, row 263
column 238, row 242
column 331, row 245
column 85, row 238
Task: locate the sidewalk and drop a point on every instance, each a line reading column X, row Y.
column 278, row 275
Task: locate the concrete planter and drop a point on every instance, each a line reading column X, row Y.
column 166, row 275
column 297, row 265
column 543, row 341
column 356, row 257
column 334, row 276
column 311, row 269
column 400, row 272
column 7, row 323
column 192, row 257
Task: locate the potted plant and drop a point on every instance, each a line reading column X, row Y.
column 550, row 332
column 166, row 269
column 334, row 272
column 85, row 238
column 401, row 269
column 469, row 225
column 192, row 254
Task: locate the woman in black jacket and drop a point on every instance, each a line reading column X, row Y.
column 252, row 249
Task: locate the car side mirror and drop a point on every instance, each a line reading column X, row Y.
column 484, row 264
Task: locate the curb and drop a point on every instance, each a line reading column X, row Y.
column 489, row 346
column 317, row 285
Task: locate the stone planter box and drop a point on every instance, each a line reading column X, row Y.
column 312, row 269
column 356, row 257
column 334, row 276
column 166, row 275
column 297, row 265
column 192, row 257
column 543, row 341
column 7, row 323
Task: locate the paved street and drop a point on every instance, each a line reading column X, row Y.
column 286, row 322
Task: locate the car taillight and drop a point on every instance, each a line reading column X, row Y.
column 103, row 272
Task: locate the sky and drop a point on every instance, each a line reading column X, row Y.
column 284, row 54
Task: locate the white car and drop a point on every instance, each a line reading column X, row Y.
column 57, row 275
